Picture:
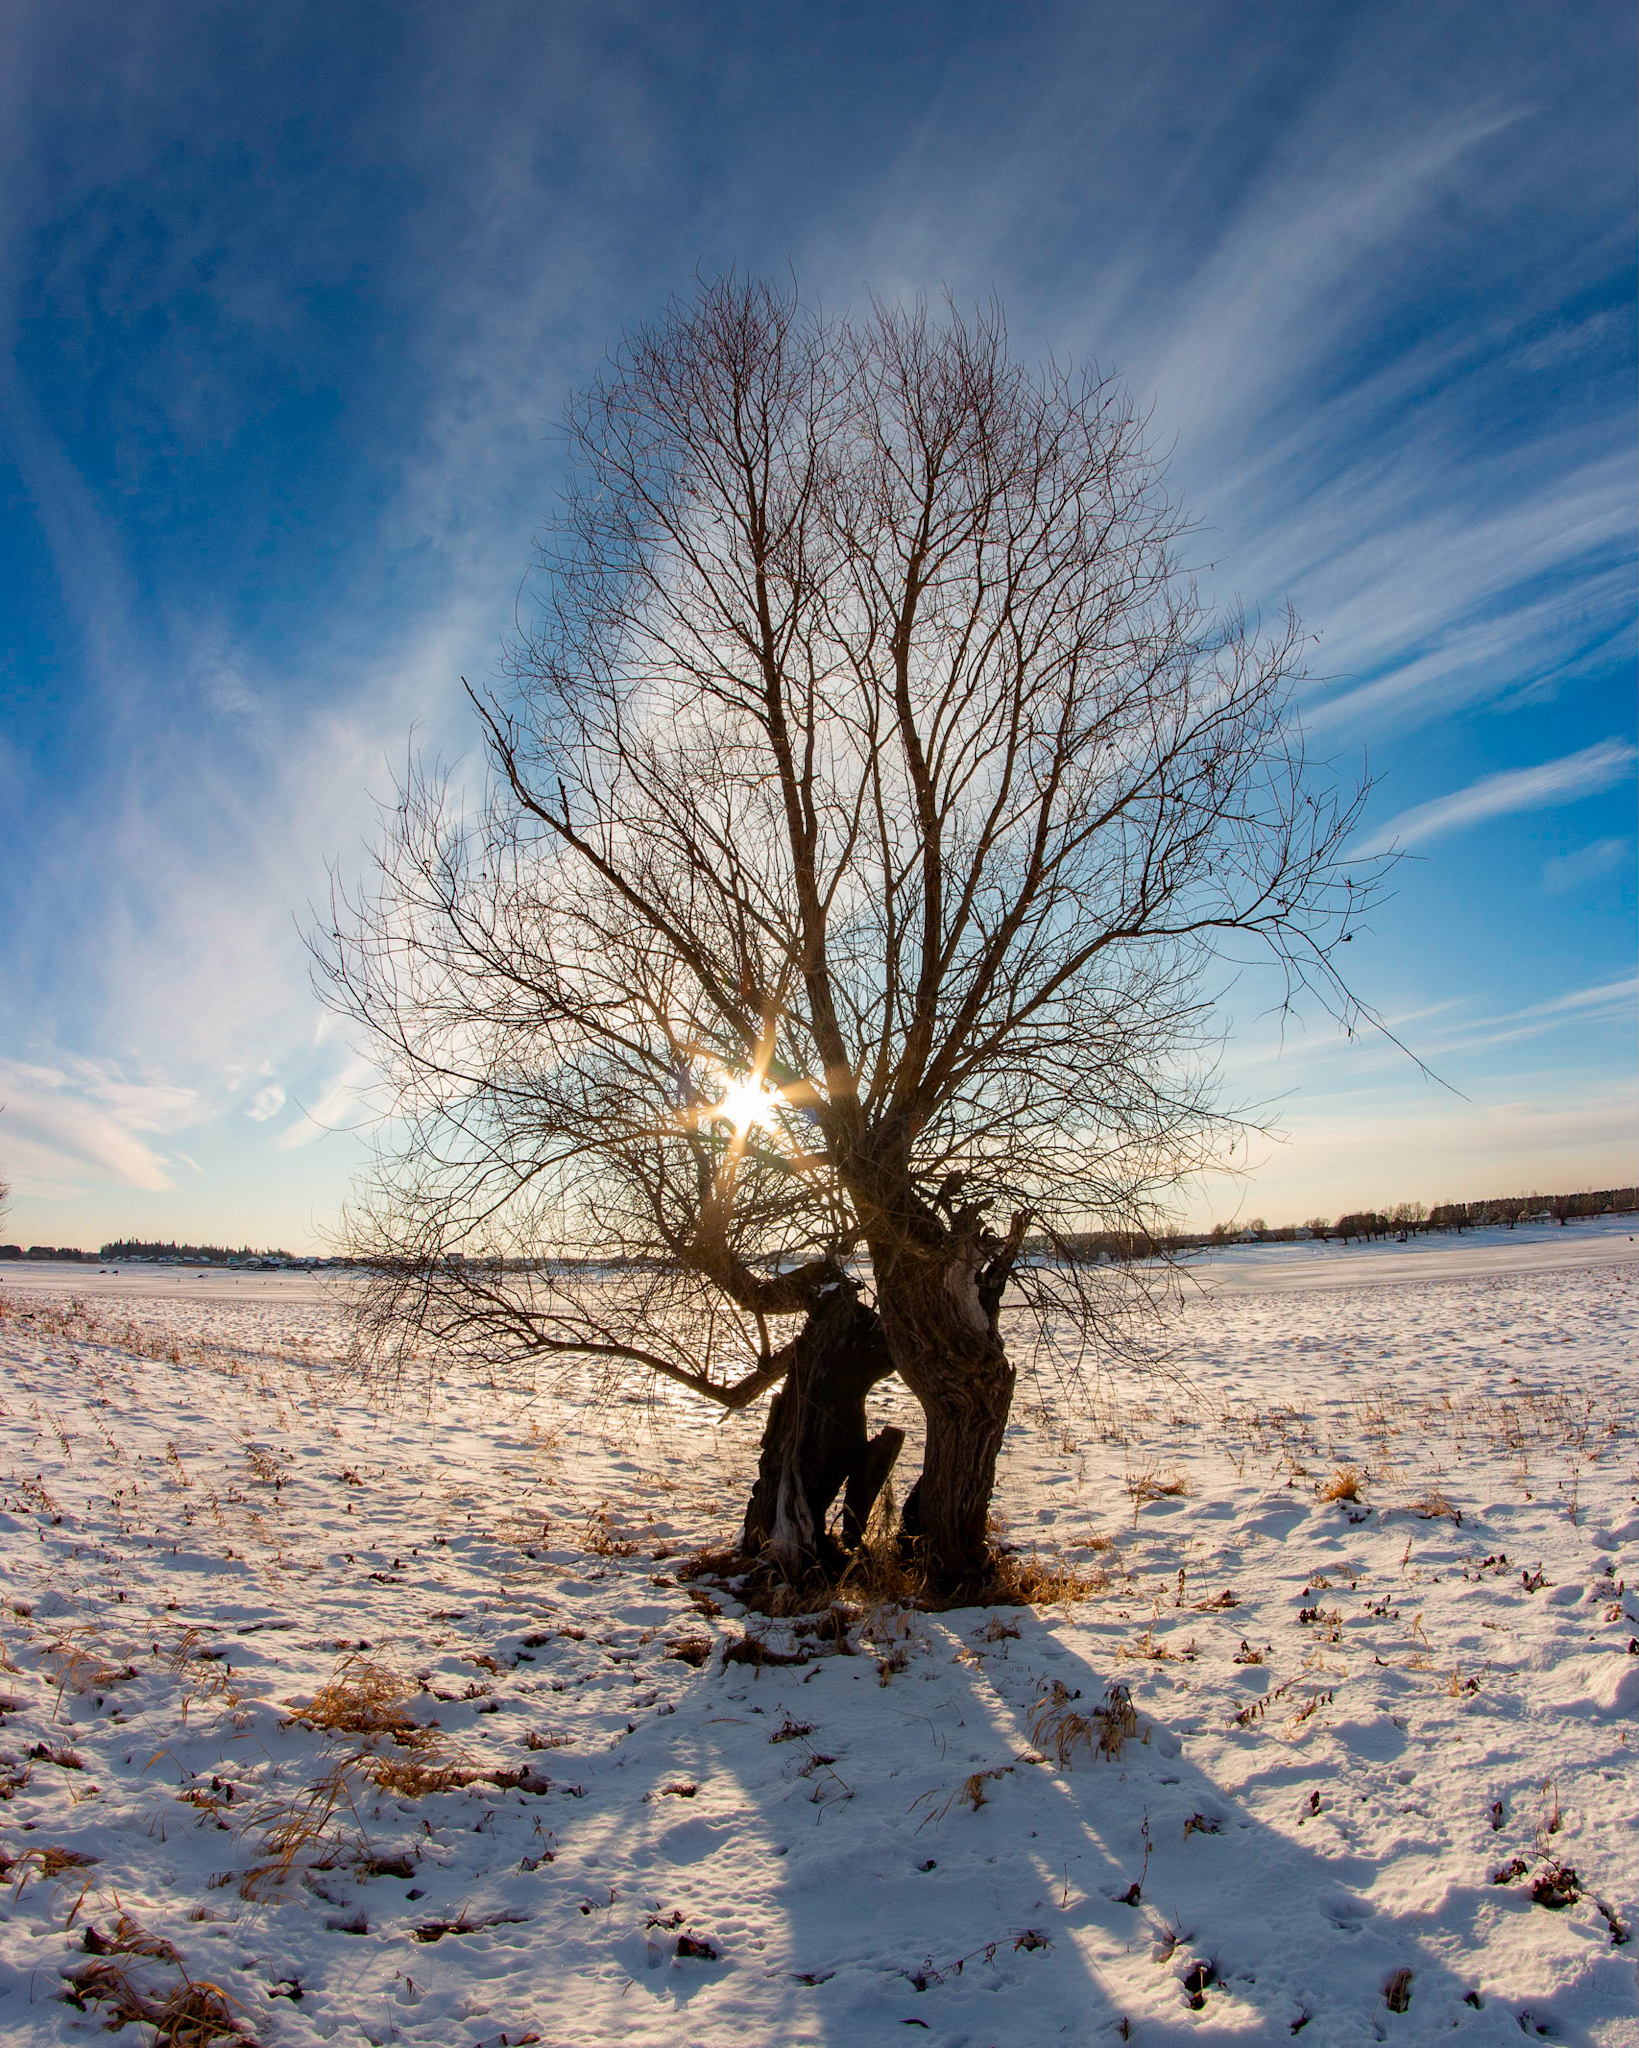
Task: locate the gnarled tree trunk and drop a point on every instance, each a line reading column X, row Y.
column 814, row 1442
column 947, row 1510
column 939, row 1287
column 944, row 1342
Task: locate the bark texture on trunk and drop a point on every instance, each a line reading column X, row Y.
column 947, row 1511
column 961, row 1377
column 814, row 1442
column 939, row 1291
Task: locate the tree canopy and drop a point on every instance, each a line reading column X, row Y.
column 871, row 804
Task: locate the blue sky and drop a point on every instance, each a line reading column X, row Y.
column 291, row 299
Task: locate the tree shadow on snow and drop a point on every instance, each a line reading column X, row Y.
column 935, row 1874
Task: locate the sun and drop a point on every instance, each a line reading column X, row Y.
column 747, row 1103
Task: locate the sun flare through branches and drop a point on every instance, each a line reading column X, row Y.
column 747, row 1104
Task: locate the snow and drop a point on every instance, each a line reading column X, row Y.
column 1492, row 1250
column 876, row 1846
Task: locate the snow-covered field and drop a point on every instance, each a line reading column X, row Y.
column 1351, row 1716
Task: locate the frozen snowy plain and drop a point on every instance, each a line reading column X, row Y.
column 1351, row 1715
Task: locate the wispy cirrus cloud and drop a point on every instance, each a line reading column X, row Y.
column 81, row 1121
column 340, row 1105
column 1447, row 1034
column 1611, row 1002
column 1431, row 606
column 1599, row 997
column 1567, row 871
column 1582, row 774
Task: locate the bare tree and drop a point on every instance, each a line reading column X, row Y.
column 868, row 807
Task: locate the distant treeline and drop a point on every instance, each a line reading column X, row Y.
column 1407, row 1218
column 124, row 1248
column 1403, row 1220
column 188, row 1254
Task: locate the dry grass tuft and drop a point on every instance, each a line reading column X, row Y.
column 600, row 1537
column 49, row 1863
column 299, row 1825
column 1058, row 1728
column 889, row 1667
column 435, row 1930
column 79, row 1323
column 364, row 1698
column 832, row 1626
column 77, row 1664
column 753, row 1650
column 1035, row 1581
column 1311, row 1706
column 1556, row 1887
column 111, row 1985
column 972, row 1793
column 196, row 2014
column 193, row 2014
column 129, row 1938
column 1147, row 1486
column 973, row 1785
column 1151, row 1649
column 63, row 1757
column 711, row 1564
column 1397, row 1991
column 1344, row 1484
column 197, row 1670
column 881, row 1576
column 783, row 1599
column 408, row 1778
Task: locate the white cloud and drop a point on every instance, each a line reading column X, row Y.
column 1515, row 789
column 1440, row 605
column 1568, row 339
column 83, row 1121
column 1567, row 871
column 1601, row 996
column 1449, row 1036
column 340, row 1105
column 267, row 1102
column 1305, row 241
